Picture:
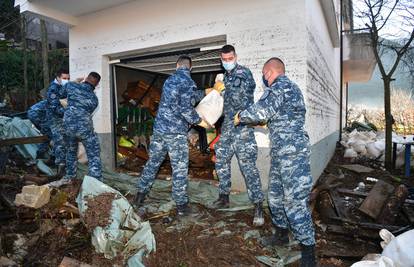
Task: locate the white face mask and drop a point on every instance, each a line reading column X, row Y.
column 229, row 65
column 63, row 82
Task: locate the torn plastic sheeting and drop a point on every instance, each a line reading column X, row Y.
column 126, row 234
column 201, row 192
column 16, row 128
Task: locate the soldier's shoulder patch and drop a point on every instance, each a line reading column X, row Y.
column 53, row 96
column 239, row 71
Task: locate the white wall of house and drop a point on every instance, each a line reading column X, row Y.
column 322, row 94
column 293, row 30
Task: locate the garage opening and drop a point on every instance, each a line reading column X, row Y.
column 138, row 82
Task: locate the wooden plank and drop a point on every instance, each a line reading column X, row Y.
column 376, row 199
column 363, row 195
column 353, row 231
column 357, row 168
column 393, row 206
column 23, row 140
column 338, row 204
column 374, row 226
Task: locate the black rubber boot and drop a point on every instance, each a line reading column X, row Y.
column 61, row 170
column 223, row 202
column 51, row 161
column 41, row 154
column 279, row 238
column 139, row 199
column 258, row 214
column 183, row 210
column 308, row 256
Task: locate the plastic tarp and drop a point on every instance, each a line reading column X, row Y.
column 16, row 128
column 126, row 234
column 199, row 191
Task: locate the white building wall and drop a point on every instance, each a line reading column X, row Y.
column 292, row 30
column 322, row 95
column 258, row 29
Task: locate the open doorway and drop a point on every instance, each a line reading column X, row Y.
column 138, row 83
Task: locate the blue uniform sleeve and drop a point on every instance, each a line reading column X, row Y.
column 248, row 85
column 262, row 110
column 53, row 96
column 198, row 95
column 187, row 103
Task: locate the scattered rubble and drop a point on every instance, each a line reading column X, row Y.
column 33, row 196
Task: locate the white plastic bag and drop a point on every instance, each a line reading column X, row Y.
column 211, row 107
column 399, row 249
column 350, row 153
column 372, row 150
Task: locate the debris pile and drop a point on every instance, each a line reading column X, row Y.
column 371, row 145
column 353, row 203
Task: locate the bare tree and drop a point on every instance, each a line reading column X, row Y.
column 45, row 50
column 391, row 27
column 23, row 25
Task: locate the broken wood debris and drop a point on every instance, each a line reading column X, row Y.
column 376, row 199
column 23, row 140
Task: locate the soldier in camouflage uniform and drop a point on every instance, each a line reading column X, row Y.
column 290, row 182
column 81, row 103
column 55, row 115
column 37, row 115
column 175, row 113
column 238, row 95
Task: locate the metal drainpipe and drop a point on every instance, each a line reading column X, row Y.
column 341, row 73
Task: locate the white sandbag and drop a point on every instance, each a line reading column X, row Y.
column 359, row 146
column 399, row 162
column 210, row 108
column 344, row 144
column 350, row 153
column 401, row 249
column 380, row 145
column 372, row 150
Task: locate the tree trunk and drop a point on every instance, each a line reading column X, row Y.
column 24, row 49
column 45, row 58
column 388, row 123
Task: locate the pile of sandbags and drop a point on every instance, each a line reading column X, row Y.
column 372, row 145
column 362, row 144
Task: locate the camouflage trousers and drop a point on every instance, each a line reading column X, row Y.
column 59, row 141
column 43, row 125
column 290, row 184
column 244, row 146
column 84, row 133
column 177, row 148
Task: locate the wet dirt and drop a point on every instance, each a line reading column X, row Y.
column 98, row 212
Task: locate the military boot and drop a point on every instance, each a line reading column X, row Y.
column 139, row 199
column 183, row 210
column 61, row 170
column 308, row 256
column 223, row 202
column 51, row 161
column 279, row 238
column 41, row 154
column 258, row 214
